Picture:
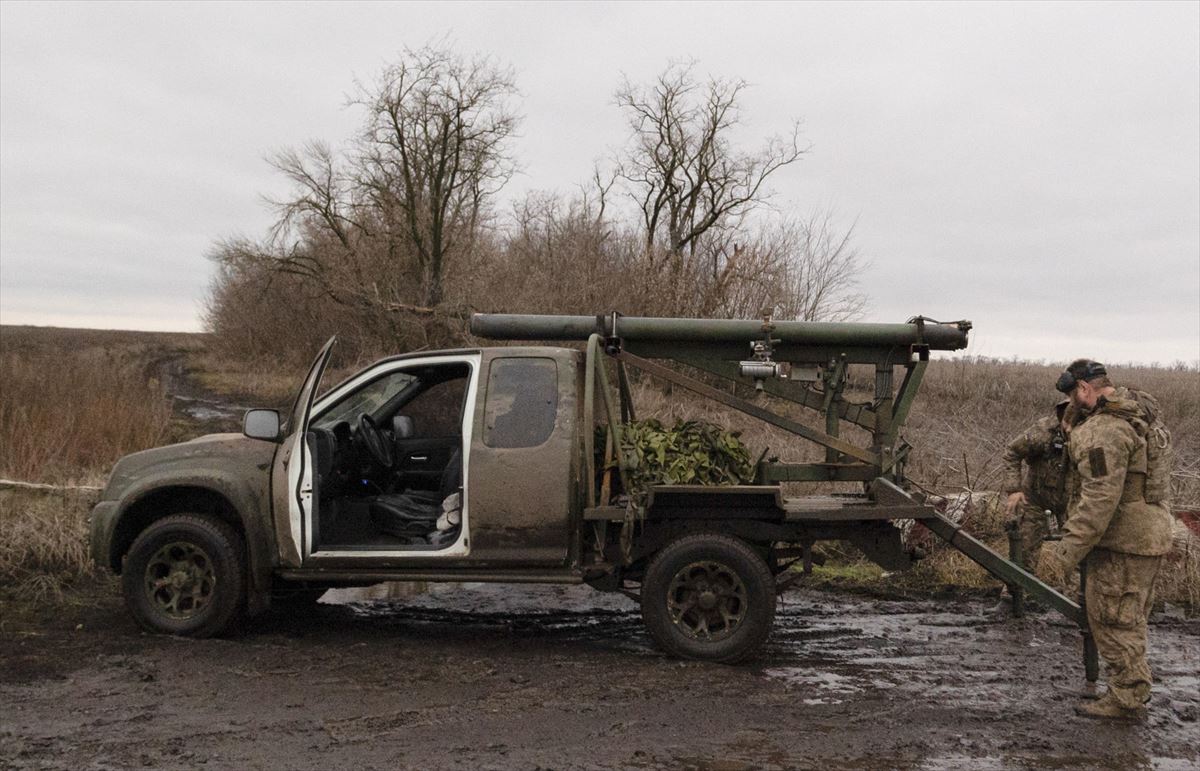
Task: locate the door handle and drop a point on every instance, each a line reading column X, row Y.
column 418, row 457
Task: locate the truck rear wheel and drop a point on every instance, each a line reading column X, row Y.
column 184, row 575
column 708, row 596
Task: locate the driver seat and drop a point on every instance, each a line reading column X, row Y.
column 412, row 516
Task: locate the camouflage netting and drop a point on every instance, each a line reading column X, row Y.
column 689, row 453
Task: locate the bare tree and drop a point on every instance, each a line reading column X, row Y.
column 820, row 271
column 392, row 239
column 803, row 269
column 320, row 210
column 433, row 151
column 681, row 167
column 380, row 227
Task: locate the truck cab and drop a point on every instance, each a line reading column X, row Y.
column 445, row 465
column 429, row 462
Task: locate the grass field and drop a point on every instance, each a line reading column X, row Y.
column 74, row 401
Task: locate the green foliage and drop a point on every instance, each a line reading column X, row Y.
column 691, row 452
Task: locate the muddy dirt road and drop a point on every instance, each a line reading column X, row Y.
column 478, row 676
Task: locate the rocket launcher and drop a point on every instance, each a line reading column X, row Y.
column 802, row 362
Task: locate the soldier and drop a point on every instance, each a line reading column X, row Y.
column 1118, row 520
column 1042, row 488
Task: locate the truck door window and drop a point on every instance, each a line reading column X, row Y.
column 437, row 411
column 522, row 402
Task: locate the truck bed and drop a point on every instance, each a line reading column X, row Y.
column 755, row 501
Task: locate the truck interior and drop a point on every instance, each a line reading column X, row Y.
column 388, row 462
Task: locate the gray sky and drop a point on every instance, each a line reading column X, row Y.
column 1035, row 168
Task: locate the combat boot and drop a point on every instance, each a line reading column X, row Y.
column 1108, row 708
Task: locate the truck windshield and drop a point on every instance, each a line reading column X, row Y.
column 367, row 399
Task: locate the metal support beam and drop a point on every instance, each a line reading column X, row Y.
column 835, row 380
column 628, row 411
column 1006, row 571
column 589, row 423
column 883, row 410
column 861, row 415
column 1016, row 556
column 905, row 397
column 595, row 345
column 816, row 472
column 741, row 405
column 1091, row 657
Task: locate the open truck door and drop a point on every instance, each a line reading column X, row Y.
column 292, row 478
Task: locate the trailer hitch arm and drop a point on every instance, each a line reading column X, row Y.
column 1007, row 571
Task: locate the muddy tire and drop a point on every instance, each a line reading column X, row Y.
column 710, row 597
column 185, row 575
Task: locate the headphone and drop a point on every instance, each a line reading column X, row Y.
column 1088, row 370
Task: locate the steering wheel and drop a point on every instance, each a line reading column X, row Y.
column 378, row 447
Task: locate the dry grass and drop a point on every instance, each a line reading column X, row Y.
column 44, row 547
column 968, row 411
column 262, row 386
column 73, row 404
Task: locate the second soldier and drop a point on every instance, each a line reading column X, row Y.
column 1034, row 470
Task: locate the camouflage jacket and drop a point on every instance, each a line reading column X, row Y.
column 1108, row 509
column 1040, row 449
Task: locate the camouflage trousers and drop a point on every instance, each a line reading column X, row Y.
column 1031, row 526
column 1120, row 591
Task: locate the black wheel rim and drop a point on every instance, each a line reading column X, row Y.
column 180, row 580
column 707, row 601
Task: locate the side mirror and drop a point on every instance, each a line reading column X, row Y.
column 261, row 424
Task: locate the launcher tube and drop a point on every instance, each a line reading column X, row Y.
column 504, row 326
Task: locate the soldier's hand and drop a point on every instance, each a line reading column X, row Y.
column 1014, row 500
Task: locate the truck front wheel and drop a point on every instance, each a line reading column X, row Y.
column 184, row 575
column 708, row 596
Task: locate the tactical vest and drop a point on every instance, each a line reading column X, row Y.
column 1160, row 455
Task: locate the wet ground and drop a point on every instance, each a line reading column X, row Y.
column 195, row 409
column 479, row 676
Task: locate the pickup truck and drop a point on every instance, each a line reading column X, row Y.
column 480, row 464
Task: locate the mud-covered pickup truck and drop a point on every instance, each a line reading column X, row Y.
column 482, row 464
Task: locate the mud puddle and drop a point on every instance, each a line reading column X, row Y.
column 208, row 411
column 196, row 410
column 486, row 676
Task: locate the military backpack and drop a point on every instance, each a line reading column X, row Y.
column 1160, row 455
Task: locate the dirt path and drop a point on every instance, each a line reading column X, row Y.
column 195, row 410
column 478, row 676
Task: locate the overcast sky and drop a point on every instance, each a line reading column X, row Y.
column 1035, row 168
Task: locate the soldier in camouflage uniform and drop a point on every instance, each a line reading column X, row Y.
column 1043, row 486
column 1118, row 520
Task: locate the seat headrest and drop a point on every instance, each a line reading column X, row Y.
column 403, row 427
